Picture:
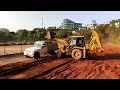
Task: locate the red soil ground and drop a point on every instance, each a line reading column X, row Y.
column 105, row 65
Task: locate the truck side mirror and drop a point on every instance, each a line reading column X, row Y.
column 43, row 46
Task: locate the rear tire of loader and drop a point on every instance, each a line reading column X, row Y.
column 77, row 54
column 88, row 54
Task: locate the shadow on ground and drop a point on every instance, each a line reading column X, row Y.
column 107, row 57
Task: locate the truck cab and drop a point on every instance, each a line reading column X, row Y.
column 40, row 47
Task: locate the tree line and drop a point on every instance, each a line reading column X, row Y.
column 23, row 35
column 107, row 33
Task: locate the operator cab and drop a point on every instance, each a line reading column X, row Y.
column 79, row 41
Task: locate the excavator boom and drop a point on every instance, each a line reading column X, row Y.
column 95, row 37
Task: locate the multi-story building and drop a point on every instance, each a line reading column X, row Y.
column 91, row 26
column 52, row 27
column 108, row 22
column 100, row 24
column 117, row 23
column 69, row 24
column 82, row 28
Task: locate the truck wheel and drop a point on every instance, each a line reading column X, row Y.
column 36, row 55
column 27, row 56
column 59, row 54
column 52, row 52
column 77, row 54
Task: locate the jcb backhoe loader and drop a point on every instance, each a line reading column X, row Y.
column 75, row 45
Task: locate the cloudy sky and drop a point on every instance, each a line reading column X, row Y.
column 14, row 20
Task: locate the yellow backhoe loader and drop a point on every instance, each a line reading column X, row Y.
column 75, row 45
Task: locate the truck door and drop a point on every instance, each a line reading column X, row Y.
column 44, row 49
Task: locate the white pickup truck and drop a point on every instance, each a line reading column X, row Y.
column 41, row 47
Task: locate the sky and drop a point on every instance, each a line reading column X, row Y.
column 15, row 20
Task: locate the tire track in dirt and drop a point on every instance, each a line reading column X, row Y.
column 37, row 70
column 15, row 68
column 57, row 71
column 84, row 71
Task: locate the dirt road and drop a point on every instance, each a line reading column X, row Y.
column 105, row 65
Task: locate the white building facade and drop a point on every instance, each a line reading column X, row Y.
column 69, row 24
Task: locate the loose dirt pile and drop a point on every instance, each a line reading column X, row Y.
column 105, row 65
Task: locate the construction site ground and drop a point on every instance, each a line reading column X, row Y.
column 105, row 65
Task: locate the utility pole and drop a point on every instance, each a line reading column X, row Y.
column 42, row 22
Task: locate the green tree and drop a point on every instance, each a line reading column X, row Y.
column 62, row 33
column 10, row 34
column 38, row 35
column 2, row 34
column 5, row 30
column 30, row 35
column 22, row 35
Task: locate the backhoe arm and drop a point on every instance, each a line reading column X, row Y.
column 95, row 37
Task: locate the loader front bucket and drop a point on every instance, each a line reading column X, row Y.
column 50, row 35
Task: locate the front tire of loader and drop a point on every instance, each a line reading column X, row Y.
column 59, row 54
column 77, row 54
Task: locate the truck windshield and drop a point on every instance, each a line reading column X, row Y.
column 37, row 45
